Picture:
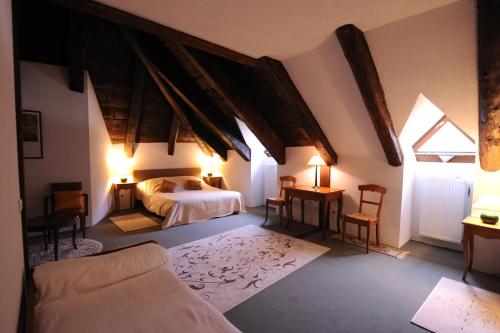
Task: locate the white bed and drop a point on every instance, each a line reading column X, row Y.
column 187, row 206
column 131, row 290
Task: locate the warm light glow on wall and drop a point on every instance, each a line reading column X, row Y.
column 119, row 165
column 209, row 164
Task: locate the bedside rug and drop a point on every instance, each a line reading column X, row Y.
column 132, row 222
column 457, row 307
column 37, row 255
column 229, row 268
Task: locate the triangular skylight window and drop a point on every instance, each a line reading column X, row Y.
column 445, row 142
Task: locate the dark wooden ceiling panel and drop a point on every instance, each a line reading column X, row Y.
column 110, row 63
column 154, row 125
column 209, row 84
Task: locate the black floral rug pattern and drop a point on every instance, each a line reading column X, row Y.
column 228, row 268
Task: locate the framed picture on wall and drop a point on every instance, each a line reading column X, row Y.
column 32, row 134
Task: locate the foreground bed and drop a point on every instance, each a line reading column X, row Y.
column 131, row 290
column 184, row 206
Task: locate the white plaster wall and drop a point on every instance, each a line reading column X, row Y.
column 258, row 170
column 11, row 245
column 326, row 83
column 348, row 174
column 270, row 177
column 296, row 165
column 155, row 156
column 354, row 171
column 433, row 53
column 65, row 126
column 422, row 117
column 237, row 175
column 100, row 148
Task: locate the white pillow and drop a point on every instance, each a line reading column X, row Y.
column 153, row 185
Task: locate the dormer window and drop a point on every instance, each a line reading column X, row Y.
column 445, row 142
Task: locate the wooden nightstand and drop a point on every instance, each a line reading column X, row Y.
column 213, row 181
column 124, row 186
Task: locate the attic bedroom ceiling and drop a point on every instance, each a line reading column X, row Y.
column 278, row 28
column 190, row 84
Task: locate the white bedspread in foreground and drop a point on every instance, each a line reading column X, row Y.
column 190, row 206
column 131, row 290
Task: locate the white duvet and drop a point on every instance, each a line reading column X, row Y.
column 188, row 206
column 131, row 290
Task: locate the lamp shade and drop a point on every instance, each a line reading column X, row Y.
column 488, row 202
column 316, row 160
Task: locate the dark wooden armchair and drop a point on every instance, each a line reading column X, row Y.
column 58, row 191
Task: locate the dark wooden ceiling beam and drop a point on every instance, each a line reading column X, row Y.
column 204, row 147
column 221, row 96
column 203, row 134
column 172, row 135
column 134, row 108
column 358, row 55
column 209, row 115
column 488, row 47
column 153, row 72
column 76, row 44
column 198, row 129
column 430, row 132
column 126, row 19
column 277, row 75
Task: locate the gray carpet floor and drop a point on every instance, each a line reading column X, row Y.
column 344, row 290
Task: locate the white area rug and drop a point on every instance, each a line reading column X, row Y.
column 38, row 255
column 457, row 307
column 132, row 222
column 229, row 268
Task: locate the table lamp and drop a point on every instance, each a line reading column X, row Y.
column 316, row 161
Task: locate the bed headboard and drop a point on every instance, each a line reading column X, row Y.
column 140, row 175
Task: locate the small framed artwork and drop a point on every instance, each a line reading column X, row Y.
column 32, row 134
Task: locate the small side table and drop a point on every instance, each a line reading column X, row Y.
column 117, row 187
column 52, row 223
column 473, row 226
column 213, row 181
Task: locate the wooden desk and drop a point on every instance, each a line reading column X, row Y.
column 124, row 186
column 324, row 195
column 474, row 226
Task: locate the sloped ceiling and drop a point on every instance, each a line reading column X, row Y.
column 277, row 28
column 322, row 75
column 189, row 82
column 433, row 53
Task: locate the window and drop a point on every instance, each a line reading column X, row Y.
column 445, row 142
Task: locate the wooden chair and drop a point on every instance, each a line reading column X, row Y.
column 280, row 201
column 365, row 220
column 50, row 202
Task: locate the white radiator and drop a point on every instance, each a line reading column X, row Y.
column 442, row 203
